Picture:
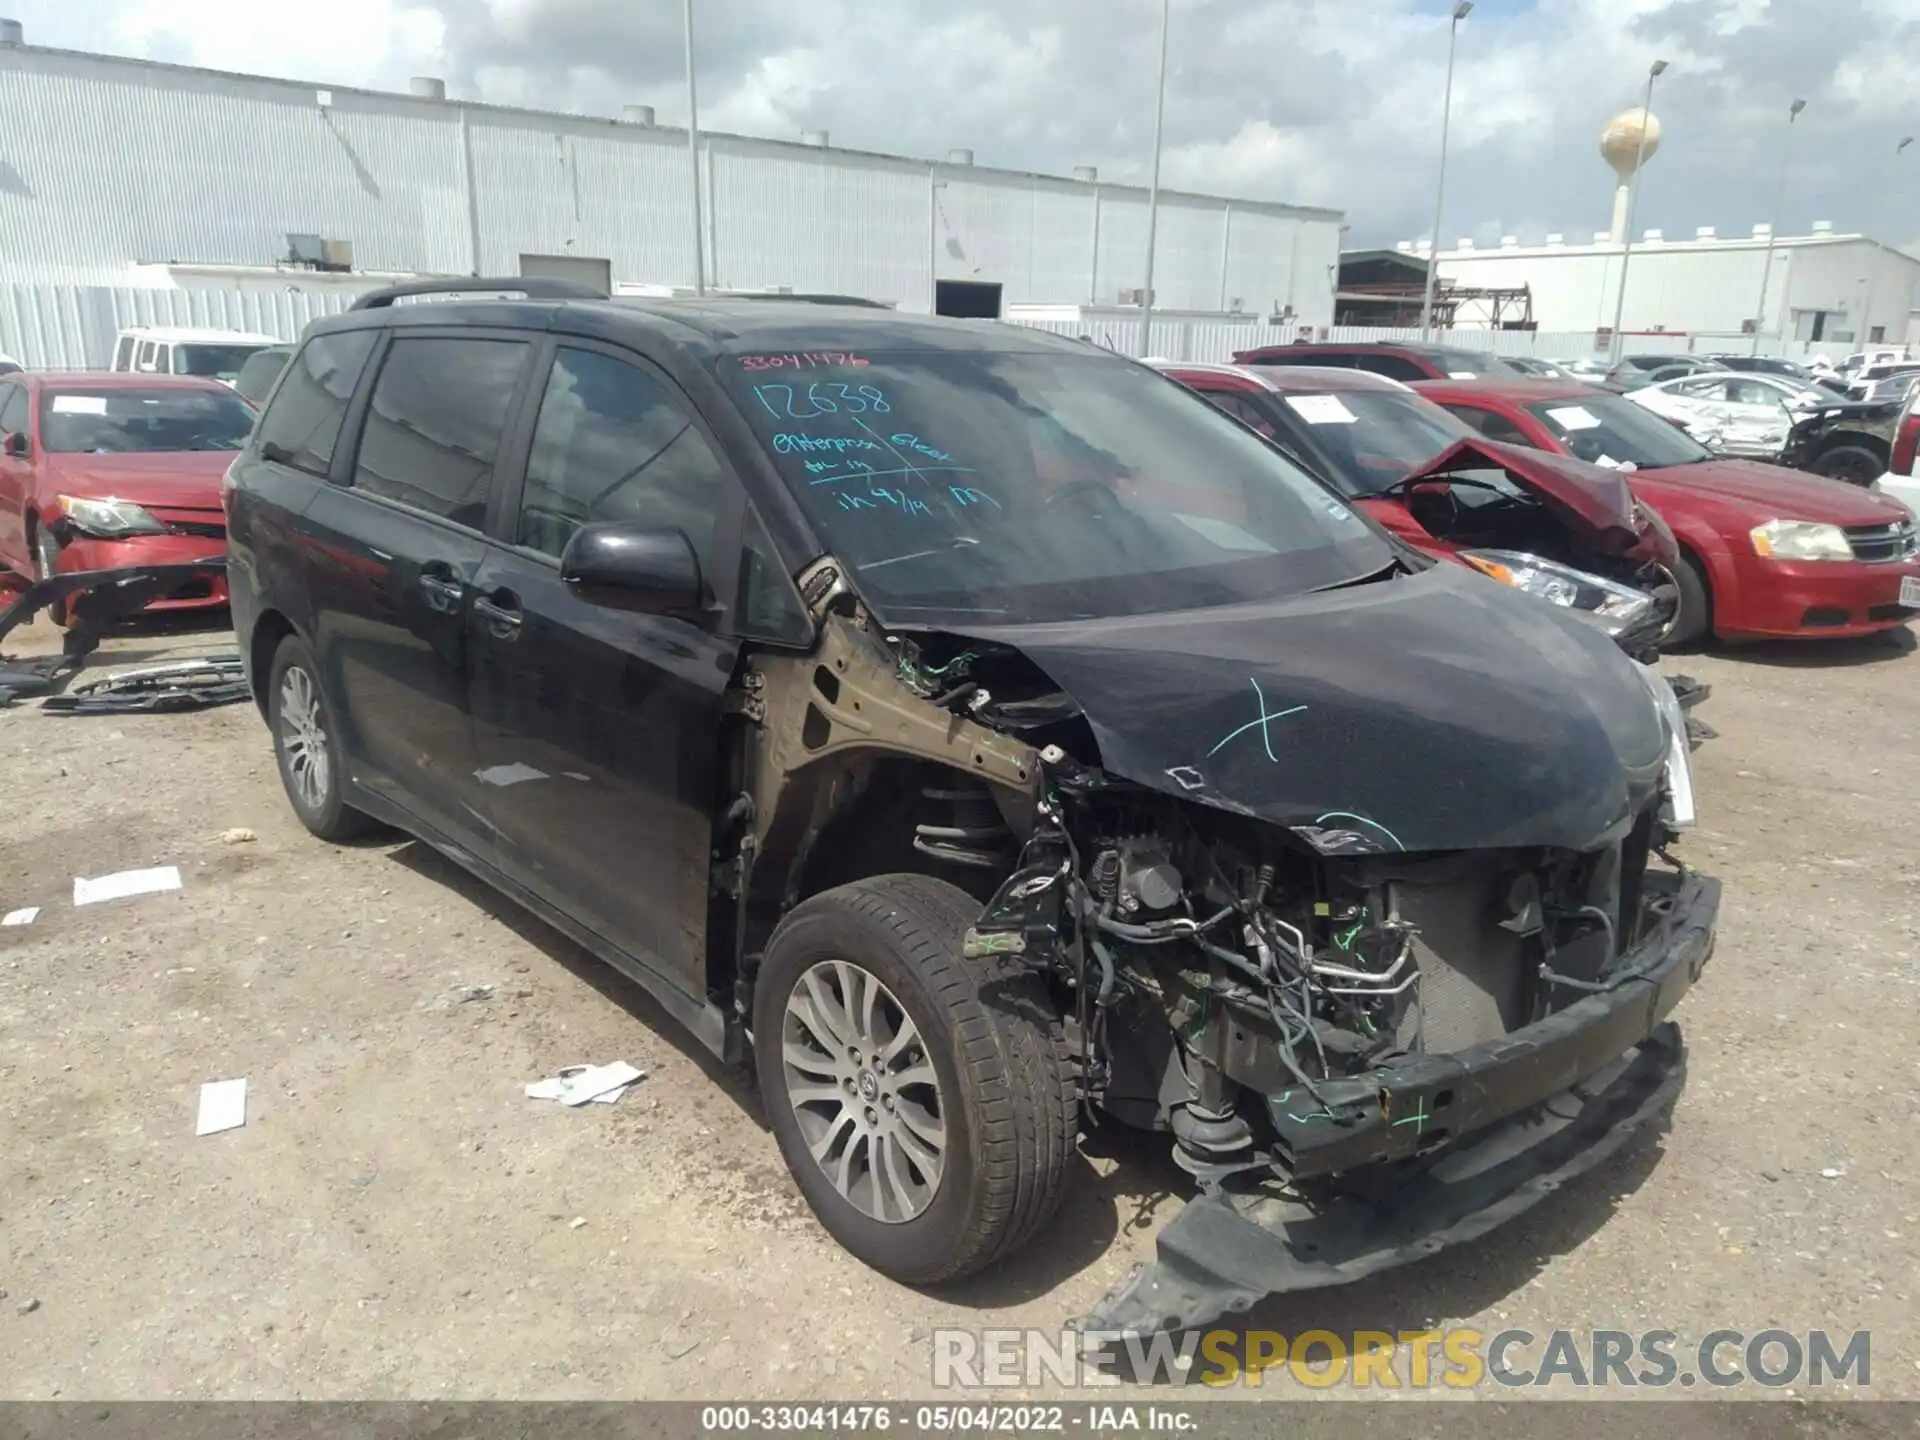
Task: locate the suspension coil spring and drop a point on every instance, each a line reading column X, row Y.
column 976, row 833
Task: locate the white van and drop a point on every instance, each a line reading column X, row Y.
column 213, row 354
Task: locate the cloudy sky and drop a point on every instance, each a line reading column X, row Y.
column 1333, row 102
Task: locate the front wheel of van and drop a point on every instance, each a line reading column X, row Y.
column 306, row 745
column 922, row 1100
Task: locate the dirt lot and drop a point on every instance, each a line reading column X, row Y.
column 397, row 1220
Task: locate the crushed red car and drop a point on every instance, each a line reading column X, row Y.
column 1765, row 551
column 103, row 471
column 1544, row 523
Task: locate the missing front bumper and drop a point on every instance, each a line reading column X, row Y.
column 1531, row 1110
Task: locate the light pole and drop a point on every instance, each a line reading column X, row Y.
column 693, row 158
column 1773, row 227
column 1862, row 331
column 1654, row 72
column 1153, row 187
column 1460, row 12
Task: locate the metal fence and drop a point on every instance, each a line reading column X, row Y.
column 72, row 327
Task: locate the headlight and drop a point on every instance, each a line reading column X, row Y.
column 108, row 519
column 1614, row 608
column 1800, row 540
column 1679, row 810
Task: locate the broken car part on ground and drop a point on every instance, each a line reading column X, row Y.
column 99, row 600
column 1100, row 765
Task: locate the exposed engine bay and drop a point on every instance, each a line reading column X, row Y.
column 1300, row 994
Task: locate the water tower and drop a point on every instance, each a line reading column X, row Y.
column 1627, row 142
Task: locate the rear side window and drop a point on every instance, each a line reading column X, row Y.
column 433, row 428
column 1493, row 425
column 1394, row 367
column 614, row 443
column 302, row 425
column 1240, row 409
column 123, row 353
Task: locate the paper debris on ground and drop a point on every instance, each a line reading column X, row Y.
column 223, row 1106
column 579, row 1084
column 121, row 884
column 24, row 916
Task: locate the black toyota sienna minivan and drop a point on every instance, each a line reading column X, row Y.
column 986, row 738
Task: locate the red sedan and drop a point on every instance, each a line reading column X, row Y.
column 101, row 470
column 1765, row 552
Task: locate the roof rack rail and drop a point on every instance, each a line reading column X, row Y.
column 859, row 300
column 534, row 288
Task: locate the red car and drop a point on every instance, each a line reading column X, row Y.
column 1766, row 552
column 1441, row 487
column 103, row 470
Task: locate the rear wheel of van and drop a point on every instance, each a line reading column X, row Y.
column 306, row 744
column 922, row 1100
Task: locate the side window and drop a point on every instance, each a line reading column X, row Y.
column 1495, row 426
column 1240, row 410
column 1394, row 367
column 123, row 353
column 770, row 607
column 13, row 409
column 149, row 356
column 302, row 425
column 614, row 443
column 433, row 427
column 1751, row 392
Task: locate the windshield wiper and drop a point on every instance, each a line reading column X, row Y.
column 1372, row 577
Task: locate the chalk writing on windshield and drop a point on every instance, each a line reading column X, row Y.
column 802, row 361
column 788, row 443
column 879, row 494
column 822, row 397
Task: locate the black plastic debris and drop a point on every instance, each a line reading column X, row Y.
column 196, row 684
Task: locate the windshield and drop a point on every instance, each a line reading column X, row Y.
column 1606, row 430
column 1368, row 438
column 212, row 362
column 126, row 421
column 1038, row 487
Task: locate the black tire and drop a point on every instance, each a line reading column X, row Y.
column 1693, row 621
column 46, row 564
column 323, row 808
column 1854, row 464
column 995, row 1043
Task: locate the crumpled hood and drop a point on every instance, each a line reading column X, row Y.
column 1595, row 501
column 1440, row 711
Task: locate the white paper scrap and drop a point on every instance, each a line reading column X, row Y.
column 79, row 404
column 513, row 774
column 580, row 1084
column 24, row 916
column 1574, row 417
column 1321, row 409
column 121, row 884
column 223, row 1106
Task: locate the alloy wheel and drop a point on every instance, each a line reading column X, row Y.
column 864, row 1091
column 303, row 737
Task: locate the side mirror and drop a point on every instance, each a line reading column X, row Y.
column 634, row 567
column 15, row 444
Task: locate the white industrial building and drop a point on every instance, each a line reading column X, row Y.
column 1823, row 286
column 118, row 172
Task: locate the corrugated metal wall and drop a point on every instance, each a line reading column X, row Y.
column 105, row 163
column 72, row 327
column 55, row 327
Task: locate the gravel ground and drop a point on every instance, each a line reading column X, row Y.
column 396, row 1220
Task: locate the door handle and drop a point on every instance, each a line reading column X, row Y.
column 501, row 611
column 444, row 592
